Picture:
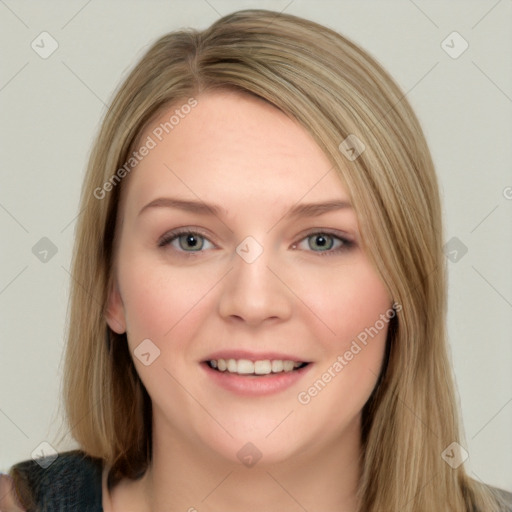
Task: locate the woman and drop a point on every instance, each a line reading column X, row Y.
column 261, row 242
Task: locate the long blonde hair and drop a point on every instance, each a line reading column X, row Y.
column 334, row 89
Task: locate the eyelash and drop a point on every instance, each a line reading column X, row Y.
column 175, row 234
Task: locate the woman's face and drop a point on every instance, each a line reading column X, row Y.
column 225, row 258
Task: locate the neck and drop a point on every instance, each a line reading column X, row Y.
column 187, row 477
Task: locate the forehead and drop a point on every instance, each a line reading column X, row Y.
column 231, row 148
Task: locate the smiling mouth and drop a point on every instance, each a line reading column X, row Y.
column 256, row 368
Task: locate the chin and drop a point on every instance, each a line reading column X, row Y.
column 256, row 448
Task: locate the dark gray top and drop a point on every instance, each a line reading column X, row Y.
column 72, row 482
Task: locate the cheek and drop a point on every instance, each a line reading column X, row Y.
column 348, row 300
column 353, row 305
column 148, row 303
column 161, row 304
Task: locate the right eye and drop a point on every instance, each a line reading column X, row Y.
column 184, row 240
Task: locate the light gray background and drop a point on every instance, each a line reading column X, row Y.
column 51, row 110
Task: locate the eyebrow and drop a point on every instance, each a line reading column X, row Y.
column 202, row 208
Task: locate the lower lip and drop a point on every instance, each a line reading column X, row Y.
column 252, row 385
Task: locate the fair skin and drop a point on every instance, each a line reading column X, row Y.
column 302, row 297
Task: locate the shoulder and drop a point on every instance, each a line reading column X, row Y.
column 71, row 481
column 505, row 497
column 502, row 498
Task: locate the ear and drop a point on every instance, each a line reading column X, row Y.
column 115, row 314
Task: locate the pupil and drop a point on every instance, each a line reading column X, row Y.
column 321, row 242
column 189, row 241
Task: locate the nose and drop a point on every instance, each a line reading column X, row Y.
column 255, row 290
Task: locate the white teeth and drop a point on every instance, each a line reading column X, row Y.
column 246, row 367
column 262, row 367
column 277, row 366
column 288, row 366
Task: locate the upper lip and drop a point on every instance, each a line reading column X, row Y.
column 253, row 356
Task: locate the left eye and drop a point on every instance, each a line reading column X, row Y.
column 188, row 241
column 325, row 242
